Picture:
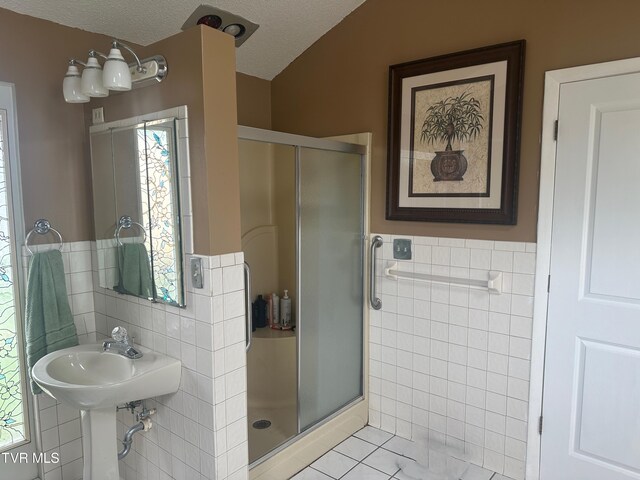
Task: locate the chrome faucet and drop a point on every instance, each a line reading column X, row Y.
column 121, row 344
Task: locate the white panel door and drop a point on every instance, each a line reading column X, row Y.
column 591, row 404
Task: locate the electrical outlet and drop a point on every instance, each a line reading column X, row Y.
column 402, row 249
column 197, row 279
column 97, row 115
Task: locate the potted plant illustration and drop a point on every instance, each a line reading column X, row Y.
column 452, row 119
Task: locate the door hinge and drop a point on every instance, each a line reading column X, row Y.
column 540, row 425
column 548, row 283
column 555, row 130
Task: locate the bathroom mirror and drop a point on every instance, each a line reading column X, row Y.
column 136, row 209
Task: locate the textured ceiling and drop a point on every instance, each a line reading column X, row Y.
column 287, row 27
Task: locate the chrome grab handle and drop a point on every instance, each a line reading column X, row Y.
column 376, row 243
column 248, row 314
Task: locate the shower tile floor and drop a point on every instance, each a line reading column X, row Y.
column 371, row 454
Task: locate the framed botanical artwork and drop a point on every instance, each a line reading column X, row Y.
column 454, row 136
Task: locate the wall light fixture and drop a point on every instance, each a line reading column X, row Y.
column 117, row 74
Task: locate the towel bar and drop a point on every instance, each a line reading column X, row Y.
column 493, row 283
column 42, row 227
column 126, row 222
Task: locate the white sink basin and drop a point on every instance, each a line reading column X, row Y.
column 94, row 381
column 87, row 378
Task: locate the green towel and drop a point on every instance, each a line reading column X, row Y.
column 50, row 324
column 134, row 274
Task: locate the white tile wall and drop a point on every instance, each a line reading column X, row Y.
column 450, row 363
column 201, row 431
column 59, row 424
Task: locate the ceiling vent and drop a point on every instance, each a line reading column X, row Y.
column 238, row 27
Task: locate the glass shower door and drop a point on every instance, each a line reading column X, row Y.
column 329, row 310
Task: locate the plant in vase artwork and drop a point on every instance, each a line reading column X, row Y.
column 457, row 118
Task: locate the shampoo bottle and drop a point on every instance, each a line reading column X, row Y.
column 269, row 310
column 285, row 311
column 275, row 315
column 261, row 305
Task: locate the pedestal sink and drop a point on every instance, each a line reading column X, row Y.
column 94, row 381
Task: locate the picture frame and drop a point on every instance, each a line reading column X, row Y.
column 454, row 136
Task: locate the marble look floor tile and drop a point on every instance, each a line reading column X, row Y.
column 401, row 446
column 334, row 464
column 311, row 474
column 478, row 473
column 385, row 461
column 373, row 435
column 372, row 454
column 355, row 448
column 364, row 472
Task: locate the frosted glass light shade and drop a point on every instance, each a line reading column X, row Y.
column 91, row 83
column 71, row 86
column 116, row 74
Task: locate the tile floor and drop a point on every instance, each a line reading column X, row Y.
column 371, row 454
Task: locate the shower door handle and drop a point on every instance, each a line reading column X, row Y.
column 248, row 313
column 376, row 243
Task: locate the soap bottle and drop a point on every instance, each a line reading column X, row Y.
column 275, row 313
column 269, row 310
column 262, row 312
column 254, row 316
column 285, row 311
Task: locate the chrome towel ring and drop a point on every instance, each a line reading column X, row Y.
column 126, row 222
column 42, row 227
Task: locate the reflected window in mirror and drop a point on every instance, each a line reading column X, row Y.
column 155, row 151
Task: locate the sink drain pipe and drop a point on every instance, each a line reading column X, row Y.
column 144, row 425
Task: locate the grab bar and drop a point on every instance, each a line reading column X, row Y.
column 493, row 282
column 248, row 314
column 376, row 243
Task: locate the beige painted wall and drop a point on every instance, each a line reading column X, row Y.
column 254, row 101
column 339, row 85
column 54, row 150
column 208, row 90
column 256, row 185
column 221, row 141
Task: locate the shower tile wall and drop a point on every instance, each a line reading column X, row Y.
column 451, row 363
column 200, row 432
column 59, row 424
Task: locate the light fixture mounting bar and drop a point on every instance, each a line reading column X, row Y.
column 155, row 69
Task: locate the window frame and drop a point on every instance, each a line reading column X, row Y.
column 16, row 232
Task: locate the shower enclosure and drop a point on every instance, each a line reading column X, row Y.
column 303, row 227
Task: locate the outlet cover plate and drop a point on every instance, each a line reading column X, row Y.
column 97, row 115
column 402, row 249
column 197, row 279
